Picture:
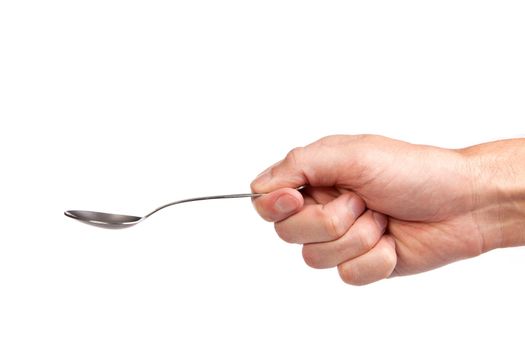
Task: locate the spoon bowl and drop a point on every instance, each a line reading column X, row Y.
column 105, row 220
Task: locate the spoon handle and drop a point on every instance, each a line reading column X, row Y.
column 221, row 196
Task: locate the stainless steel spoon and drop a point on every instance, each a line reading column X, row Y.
column 115, row 221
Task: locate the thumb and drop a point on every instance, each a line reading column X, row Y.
column 318, row 164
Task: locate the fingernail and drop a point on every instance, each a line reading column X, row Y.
column 355, row 206
column 381, row 220
column 285, row 204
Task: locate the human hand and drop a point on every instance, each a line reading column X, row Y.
column 376, row 207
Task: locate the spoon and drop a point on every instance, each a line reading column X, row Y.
column 115, row 221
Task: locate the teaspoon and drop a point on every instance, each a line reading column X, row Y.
column 115, row 221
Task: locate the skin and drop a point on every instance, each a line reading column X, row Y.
column 377, row 207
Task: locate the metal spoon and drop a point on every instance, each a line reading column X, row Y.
column 115, row 221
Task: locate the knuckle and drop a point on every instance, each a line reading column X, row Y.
column 367, row 233
column 294, row 155
column 327, row 140
column 389, row 261
column 366, row 240
column 367, row 138
column 284, row 233
column 331, row 227
column 329, row 224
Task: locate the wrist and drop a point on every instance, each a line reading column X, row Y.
column 498, row 192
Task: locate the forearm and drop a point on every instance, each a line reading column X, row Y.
column 498, row 191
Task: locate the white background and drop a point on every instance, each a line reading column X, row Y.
column 125, row 105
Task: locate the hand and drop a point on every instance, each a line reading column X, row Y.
column 376, row 207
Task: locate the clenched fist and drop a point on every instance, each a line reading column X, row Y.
column 376, row 207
